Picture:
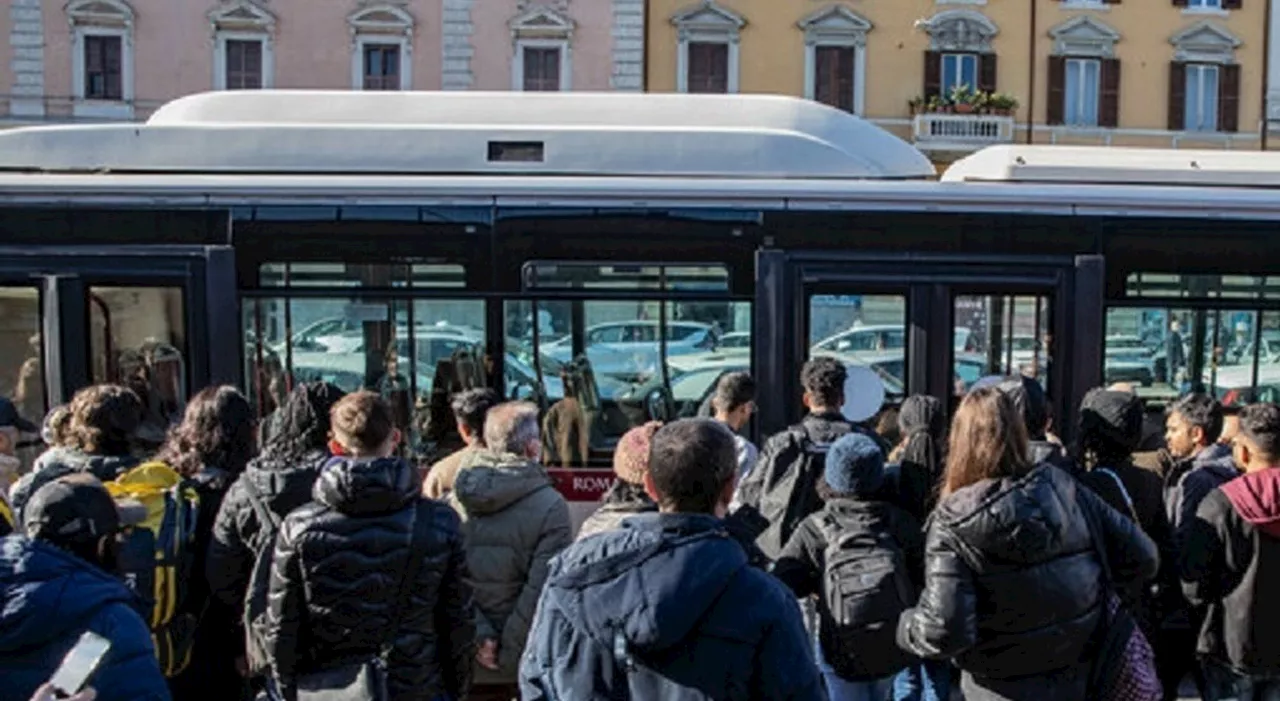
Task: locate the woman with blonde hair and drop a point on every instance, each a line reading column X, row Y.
column 1014, row 591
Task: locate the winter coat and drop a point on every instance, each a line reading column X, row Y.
column 1186, row 484
column 55, row 463
column 673, row 595
column 1013, row 589
column 1231, row 564
column 622, row 501
column 1190, row 481
column 336, row 575
column 513, row 523
column 282, row 487
column 50, row 598
column 440, row 477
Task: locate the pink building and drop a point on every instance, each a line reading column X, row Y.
column 120, row 59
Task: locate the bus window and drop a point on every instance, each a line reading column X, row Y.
column 1165, row 352
column 22, row 379
column 866, row 330
column 138, row 339
column 600, row 368
column 1001, row 335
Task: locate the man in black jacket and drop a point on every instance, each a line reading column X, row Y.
column 1199, row 465
column 1230, row 561
column 783, row 484
column 371, row 569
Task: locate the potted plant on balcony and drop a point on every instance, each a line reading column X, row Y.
column 935, row 104
column 1003, row 103
column 962, row 98
column 916, row 105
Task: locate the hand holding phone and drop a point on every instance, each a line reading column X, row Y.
column 79, row 664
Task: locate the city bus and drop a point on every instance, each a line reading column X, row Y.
column 609, row 257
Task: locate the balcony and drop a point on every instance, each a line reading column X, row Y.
column 960, row 133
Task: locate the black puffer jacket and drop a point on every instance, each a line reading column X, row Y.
column 1013, row 586
column 283, row 487
column 335, row 583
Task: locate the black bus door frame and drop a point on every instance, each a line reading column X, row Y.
column 930, row 282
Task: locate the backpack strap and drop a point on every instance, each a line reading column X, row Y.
column 417, row 545
column 266, row 517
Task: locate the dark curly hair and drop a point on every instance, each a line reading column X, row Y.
column 217, row 430
column 104, row 419
column 823, row 378
column 304, row 422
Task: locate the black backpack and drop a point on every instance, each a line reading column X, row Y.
column 790, row 496
column 255, row 605
column 865, row 588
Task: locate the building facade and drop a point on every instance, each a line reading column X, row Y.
column 121, row 59
column 957, row 75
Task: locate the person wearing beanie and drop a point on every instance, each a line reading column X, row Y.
column 828, row 555
column 627, row 496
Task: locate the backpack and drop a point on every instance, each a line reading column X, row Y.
column 157, row 556
column 865, row 588
column 790, row 497
column 255, row 603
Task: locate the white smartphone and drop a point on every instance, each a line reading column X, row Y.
column 80, row 664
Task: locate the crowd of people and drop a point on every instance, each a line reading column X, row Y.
column 980, row 559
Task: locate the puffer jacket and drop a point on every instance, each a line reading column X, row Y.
column 49, row 599
column 1013, row 587
column 622, row 501
column 60, row 462
column 513, row 523
column 674, row 596
column 335, row 583
column 282, row 487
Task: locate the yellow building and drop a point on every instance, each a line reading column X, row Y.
column 956, row 75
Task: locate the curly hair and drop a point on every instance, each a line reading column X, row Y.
column 823, row 378
column 217, row 430
column 304, row 422
column 104, row 419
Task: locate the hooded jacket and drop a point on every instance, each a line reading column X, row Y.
column 282, row 486
column 336, row 576
column 622, row 501
column 513, row 523
column 666, row 607
column 56, row 463
column 1013, row 588
column 50, row 598
column 1189, row 481
column 1231, row 564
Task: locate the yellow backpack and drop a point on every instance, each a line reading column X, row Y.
column 157, row 555
column 6, row 517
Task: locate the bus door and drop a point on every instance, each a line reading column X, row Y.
column 160, row 320
column 928, row 324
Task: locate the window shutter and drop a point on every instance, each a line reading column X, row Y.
column 1057, row 90
column 932, row 73
column 1179, row 3
column 1177, row 96
column 987, row 72
column 1109, row 93
column 844, row 77
column 1111, row 2
column 113, row 68
column 1232, row 4
column 1229, row 98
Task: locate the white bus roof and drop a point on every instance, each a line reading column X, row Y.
column 477, row 133
column 1112, row 165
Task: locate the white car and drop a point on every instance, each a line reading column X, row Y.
column 884, row 337
column 630, row 349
